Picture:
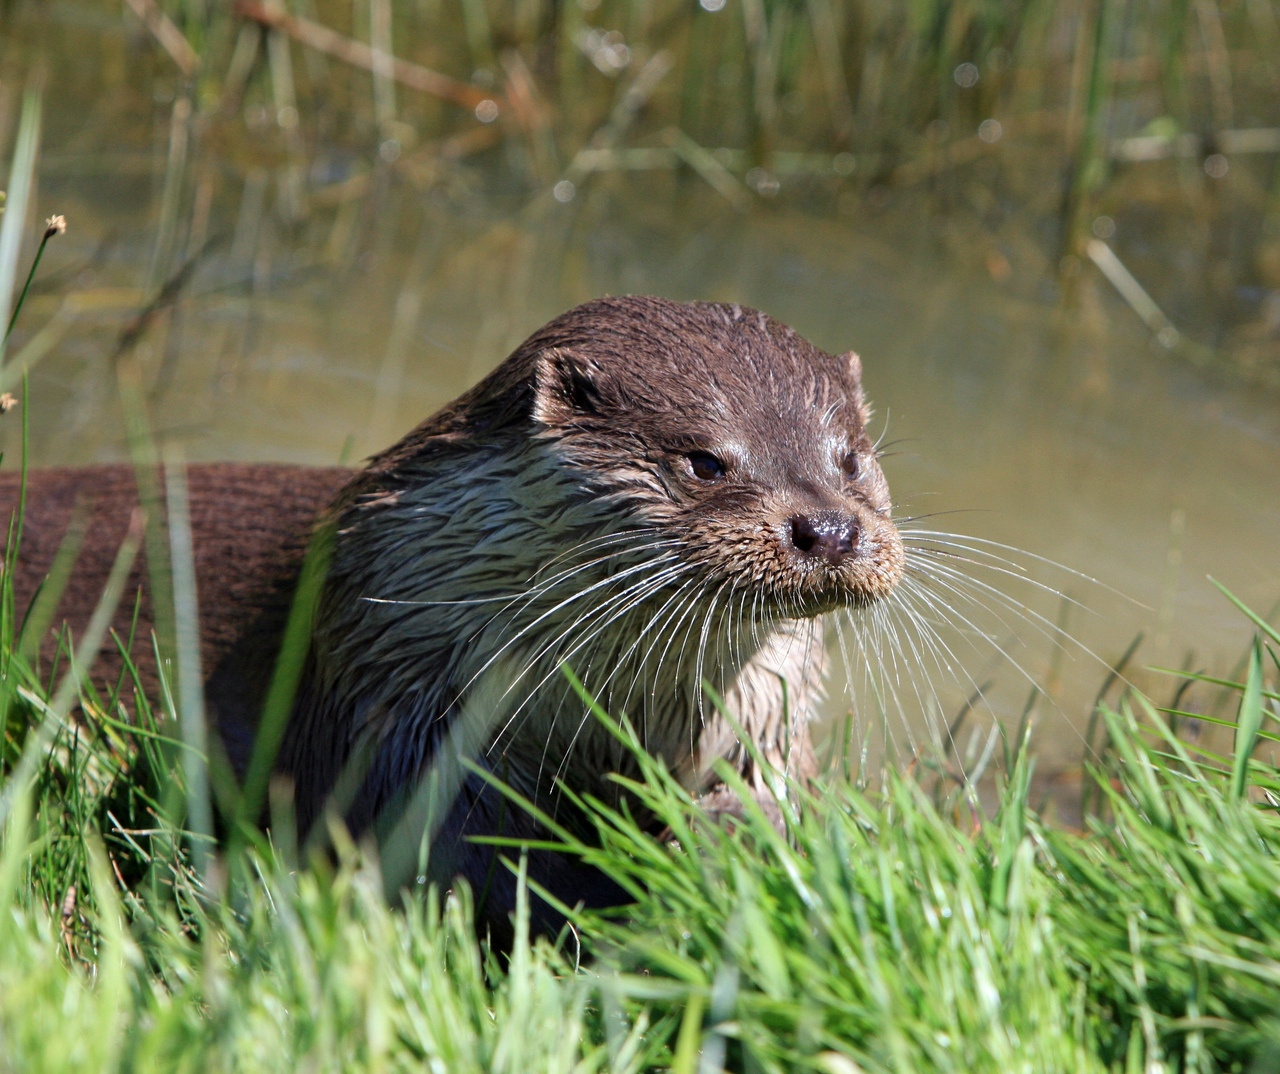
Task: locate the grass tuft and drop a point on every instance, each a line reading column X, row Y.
column 881, row 931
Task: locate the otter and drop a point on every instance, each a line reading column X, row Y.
column 656, row 496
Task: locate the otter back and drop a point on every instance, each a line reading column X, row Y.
column 250, row 526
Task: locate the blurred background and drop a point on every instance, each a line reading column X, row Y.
column 1051, row 228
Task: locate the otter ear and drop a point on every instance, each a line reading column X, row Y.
column 853, row 370
column 565, row 388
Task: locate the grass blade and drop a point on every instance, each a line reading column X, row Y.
column 191, row 718
column 1248, row 723
column 1257, row 620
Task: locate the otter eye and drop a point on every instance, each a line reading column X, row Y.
column 705, row 467
column 851, row 464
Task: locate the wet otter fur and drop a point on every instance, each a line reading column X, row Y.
column 652, row 493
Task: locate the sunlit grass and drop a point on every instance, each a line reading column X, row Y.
column 883, row 931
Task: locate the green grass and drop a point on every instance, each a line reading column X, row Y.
column 883, row 933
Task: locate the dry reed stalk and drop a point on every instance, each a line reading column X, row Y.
column 625, row 111
column 384, row 62
column 358, row 54
column 167, row 35
column 530, row 115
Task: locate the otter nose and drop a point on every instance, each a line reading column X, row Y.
column 829, row 534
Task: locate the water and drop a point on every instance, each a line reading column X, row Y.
column 322, row 332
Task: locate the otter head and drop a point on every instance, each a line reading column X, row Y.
column 731, row 436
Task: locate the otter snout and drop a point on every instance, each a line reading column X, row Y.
column 828, row 535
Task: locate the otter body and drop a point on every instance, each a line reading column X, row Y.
column 649, row 493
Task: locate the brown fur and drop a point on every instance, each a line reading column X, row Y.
column 553, row 514
column 250, row 523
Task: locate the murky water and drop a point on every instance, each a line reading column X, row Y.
column 1067, row 435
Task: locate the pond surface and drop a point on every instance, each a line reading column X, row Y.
column 1059, row 429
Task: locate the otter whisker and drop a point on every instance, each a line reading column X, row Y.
column 638, row 590
column 526, row 596
column 682, row 620
column 736, row 632
column 1062, row 640
column 977, row 690
column 873, row 637
column 879, row 674
column 924, row 641
column 700, row 654
column 920, row 586
column 585, row 714
column 652, row 575
column 943, row 658
column 605, row 613
column 526, row 599
column 887, row 680
column 930, row 564
column 598, row 541
column 622, row 661
column 547, row 614
column 846, row 665
column 952, row 616
column 683, row 628
column 970, row 542
column 659, row 619
column 572, row 571
column 569, row 574
column 961, row 585
column 899, row 640
column 634, row 552
column 923, row 634
column 939, row 556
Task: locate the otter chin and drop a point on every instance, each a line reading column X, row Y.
column 658, row 496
